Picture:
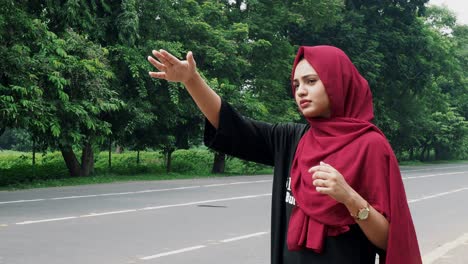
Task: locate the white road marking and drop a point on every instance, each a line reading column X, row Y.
column 433, row 175
column 206, row 201
column 441, row 251
column 211, row 242
column 437, row 195
column 211, row 185
column 437, row 168
column 172, row 252
column 22, row 201
column 46, row 220
column 215, row 185
column 243, row 237
column 136, row 192
column 146, row 208
column 235, row 183
column 109, row 213
column 100, row 195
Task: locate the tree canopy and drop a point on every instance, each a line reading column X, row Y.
column 74, row 73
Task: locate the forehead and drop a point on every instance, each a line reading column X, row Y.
column 303, row 68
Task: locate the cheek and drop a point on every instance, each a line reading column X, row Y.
column 325, row 99
column 297, row 99
column 323, row 95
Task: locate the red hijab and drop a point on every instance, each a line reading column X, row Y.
column 350, row 143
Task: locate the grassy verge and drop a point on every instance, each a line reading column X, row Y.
column 16, row 171
column 114, row 178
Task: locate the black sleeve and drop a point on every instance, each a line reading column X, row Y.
column 242, row 137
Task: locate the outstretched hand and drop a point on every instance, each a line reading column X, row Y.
column 172, row 69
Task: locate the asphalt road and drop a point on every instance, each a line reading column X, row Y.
column 218, row 220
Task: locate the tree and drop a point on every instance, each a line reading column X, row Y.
column 65, row 91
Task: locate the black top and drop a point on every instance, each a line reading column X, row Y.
column 275, row 145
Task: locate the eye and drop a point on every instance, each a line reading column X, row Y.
column 311, row 81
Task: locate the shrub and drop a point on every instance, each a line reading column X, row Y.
column 16, row 167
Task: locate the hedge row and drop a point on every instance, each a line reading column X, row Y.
column 16, row 167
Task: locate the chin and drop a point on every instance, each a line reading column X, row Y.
column 312, row 114
column 307, row 114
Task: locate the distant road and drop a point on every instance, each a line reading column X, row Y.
column 206, row 221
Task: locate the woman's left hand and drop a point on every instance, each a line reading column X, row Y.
column 328, row 180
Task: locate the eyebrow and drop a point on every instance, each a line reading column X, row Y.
column 307, row 76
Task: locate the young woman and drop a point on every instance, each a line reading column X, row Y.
column 338, row 196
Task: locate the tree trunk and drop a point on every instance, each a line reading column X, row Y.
column 423, row 151
column 442, row 153
column 182, row 141
column 34, row 157
column 87, row 160
column 109, row 164
column 168, row 160
column 138, row 157
column 428, row 154
column 71, row 161
column 219, row 163
column 119, row 149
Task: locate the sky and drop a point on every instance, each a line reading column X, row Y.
column 459, row 7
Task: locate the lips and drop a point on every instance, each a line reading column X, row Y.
column 304, row 103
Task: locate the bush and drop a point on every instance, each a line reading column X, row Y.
column 126, row 163
column 16, row 167
column 193, row 161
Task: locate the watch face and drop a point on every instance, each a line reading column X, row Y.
column 363, row 214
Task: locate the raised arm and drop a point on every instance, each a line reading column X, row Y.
column 172, row 69
column 227, row 130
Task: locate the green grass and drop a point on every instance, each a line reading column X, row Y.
column 16, row 171
column 113, row 178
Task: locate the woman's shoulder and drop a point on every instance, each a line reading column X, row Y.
column 290, row 128
column 288, row 134
column 375, row 141
column 293, row 125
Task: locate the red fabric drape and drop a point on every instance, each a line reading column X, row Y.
column 350, row 143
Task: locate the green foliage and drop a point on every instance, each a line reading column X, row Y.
column 16, row 139
column 196, row 161
column 16, row 167
column 74, row 73
column 449, row 135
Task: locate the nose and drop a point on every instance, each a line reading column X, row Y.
column 300, row 90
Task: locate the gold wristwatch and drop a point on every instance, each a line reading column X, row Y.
column 362, row 214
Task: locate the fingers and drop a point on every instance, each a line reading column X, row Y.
column 322, row 167
column 324, row 190
column 157, row 64
column 161, row 57
column 159, row 75
column 169, row 66
column 190, row 59
column 320, row 183
column 320, row 175
column 169, row 57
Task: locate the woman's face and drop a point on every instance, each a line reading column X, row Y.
column 311, row 96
